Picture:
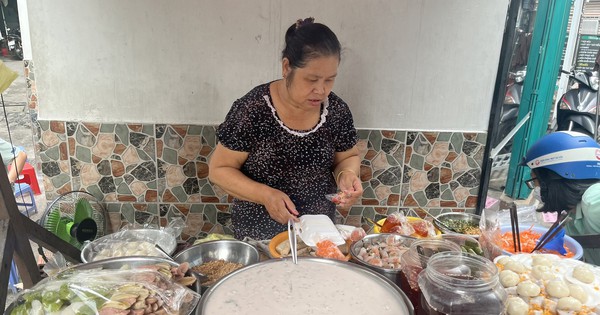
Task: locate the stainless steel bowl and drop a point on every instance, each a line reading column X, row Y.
column 465, row 216
column 229, row 250
column 391, row 274
column 165, row 240
column 264, row 275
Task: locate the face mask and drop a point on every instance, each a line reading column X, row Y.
column 537, row 194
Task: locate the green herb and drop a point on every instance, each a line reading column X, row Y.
column 463, row 226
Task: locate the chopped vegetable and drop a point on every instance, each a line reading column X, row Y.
column 463, row 226
column 528, row 241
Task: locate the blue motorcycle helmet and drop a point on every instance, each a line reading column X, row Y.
column 569, row 154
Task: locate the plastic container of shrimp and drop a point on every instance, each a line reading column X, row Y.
column 314, row 228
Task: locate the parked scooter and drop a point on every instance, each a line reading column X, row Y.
column 576, row 109
column 13, row 43
column 510, row 108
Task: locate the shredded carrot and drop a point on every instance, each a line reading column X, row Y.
column 528, row 241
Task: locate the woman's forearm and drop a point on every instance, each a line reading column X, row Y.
column 240, row 186
column 348, row 161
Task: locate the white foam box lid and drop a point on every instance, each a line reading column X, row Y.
column 317, row 227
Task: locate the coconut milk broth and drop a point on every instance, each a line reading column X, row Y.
column 311, row 287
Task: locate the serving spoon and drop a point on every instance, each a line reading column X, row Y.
column 293, row 241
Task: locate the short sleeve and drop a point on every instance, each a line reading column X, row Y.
column 346, row 135
column 236, row 132
column 6, row 151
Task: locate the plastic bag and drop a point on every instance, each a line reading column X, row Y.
column 490, row 232
column 55, row 264
column 351, row 233
column 397, row 223
column 108, row 292
column 175, row 226
column 338, row 198
column 129, row 243
column 526, row 214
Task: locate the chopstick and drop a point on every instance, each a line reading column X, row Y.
column 373, row 222
column 514, row 224
column 561, row 220
column 544, row 237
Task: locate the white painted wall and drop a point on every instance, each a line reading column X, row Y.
column 407, row 64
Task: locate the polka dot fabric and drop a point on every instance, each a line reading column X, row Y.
column 297, row 162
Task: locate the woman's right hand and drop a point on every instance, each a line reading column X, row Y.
column 280, row 206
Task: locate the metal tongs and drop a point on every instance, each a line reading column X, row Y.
column 562, row 219
column 293, row 241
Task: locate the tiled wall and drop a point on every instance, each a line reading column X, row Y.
column 154, row 172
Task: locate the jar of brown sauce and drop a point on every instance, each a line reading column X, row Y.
column 461, row 283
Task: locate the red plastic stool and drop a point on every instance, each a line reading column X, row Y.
column 29, row 177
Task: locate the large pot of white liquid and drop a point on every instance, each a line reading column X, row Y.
column 313, row 286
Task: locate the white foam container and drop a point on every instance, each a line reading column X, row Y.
column 314, row 228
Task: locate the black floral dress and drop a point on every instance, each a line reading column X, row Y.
column 297, row 162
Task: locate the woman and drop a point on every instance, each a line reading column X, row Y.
column 566, row 167
column 288, row 143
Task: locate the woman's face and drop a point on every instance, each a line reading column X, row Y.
column 309, row 86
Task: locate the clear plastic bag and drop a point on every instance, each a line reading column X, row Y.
column 338, row 198
column 175, row 227
column 55, row 264
column 107, row 292
column 351, row 233
column 138, row 242
column 490, row 233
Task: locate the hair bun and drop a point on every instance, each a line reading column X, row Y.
column 307, row 21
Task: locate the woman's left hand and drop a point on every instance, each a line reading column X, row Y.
column 351, row 188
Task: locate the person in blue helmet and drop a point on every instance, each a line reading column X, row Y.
column 565, row 165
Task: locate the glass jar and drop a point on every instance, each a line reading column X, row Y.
column 415, row 259
column 461, row 283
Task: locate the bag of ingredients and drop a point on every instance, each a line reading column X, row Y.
column 135, row 291
column 174, row 228
column 136, row 240
column 122, row 243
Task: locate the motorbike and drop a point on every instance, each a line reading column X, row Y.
column 13, row 43
column 510, row 108
column 576, row 109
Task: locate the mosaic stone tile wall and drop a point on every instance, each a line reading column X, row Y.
column 156, row 172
